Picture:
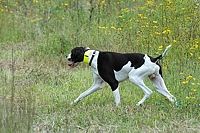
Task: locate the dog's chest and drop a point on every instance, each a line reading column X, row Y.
column 123, row 73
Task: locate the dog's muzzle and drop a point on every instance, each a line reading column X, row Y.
column 71, row 63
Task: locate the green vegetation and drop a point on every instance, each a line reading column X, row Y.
column 37, row 86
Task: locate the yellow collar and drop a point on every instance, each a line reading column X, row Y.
column 86, row 57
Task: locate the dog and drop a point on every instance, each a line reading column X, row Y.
column 113, row 68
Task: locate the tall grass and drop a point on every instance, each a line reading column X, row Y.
column 37, row 86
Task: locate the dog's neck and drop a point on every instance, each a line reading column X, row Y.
column 87, row 58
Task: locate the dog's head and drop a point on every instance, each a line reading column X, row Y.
column 76, row 56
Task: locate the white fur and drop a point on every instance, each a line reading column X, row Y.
column 116, row 96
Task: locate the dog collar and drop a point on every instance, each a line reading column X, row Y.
column 86, row 57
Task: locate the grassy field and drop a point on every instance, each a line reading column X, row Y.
column 37, row 86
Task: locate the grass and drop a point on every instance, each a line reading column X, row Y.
column 37, row 86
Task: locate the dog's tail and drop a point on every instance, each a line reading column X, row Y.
column 162, row 55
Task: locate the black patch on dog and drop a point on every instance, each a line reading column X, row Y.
column 117, row 60
column 77, row 54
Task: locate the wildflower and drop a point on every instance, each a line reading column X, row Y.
column 103, row 1
column 194, row 90
column 155, row 22
column 187, row 97
column 164, row 68
column 191, row 54
column 155, row 27
column 174, row 41
column 112, row 27
column 169, row 31
column 119, row 28
column 192, row 83
column 140, row 15
column 195, row 45
column 166, row 31
column 160, row 47
column 181, row 73
column 33, row 20
column 35, row 1
column 170, row 1
column 185, row 82
column 157, row 33
column 189, row 77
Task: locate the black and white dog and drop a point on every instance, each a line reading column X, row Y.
column 114, row 67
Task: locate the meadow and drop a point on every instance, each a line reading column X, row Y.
column 37, row 86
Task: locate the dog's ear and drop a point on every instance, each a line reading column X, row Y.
column 86, row 48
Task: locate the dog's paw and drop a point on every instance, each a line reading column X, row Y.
column 118, row 105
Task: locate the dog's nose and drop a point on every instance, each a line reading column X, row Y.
column 68, row 57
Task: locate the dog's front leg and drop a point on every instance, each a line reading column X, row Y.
column 86, row 93
column 117, row 96
column 98, row 84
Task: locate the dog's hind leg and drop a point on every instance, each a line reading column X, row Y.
column 139, row 82
column 136, row 76
column 98, row 84
column 160, row 86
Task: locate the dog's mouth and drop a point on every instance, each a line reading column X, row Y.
column 71, row 64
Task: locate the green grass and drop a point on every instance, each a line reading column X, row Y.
column 37, row 86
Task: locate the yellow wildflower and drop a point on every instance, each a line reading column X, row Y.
column 112, row 27
column 140, row 15
column 194, row 90
column 185, row 82
column 119, row 28
column 35, row 1
column 157, row 33
column 160, row 47
column 155, row 27
column 155, row 22
column 189, row 77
